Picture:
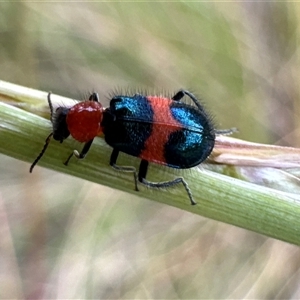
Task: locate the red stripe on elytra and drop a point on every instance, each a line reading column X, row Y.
column 163, row 125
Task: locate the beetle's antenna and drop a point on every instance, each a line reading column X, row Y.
column 50, row 106
column 50, row 103
column 47, row 141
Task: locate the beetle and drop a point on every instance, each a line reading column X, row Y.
column 156, row 129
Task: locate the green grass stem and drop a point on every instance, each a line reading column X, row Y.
column 263, row 210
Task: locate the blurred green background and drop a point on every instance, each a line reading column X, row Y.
column 62, row 237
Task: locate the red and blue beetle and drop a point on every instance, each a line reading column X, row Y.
column 156, row 129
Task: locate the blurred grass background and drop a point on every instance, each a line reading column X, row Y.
column 62, row 237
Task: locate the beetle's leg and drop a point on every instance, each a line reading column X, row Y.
column 112, row 162
column 165, row 184
column 83, row 152
column 181, row 93
column 178, row 96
